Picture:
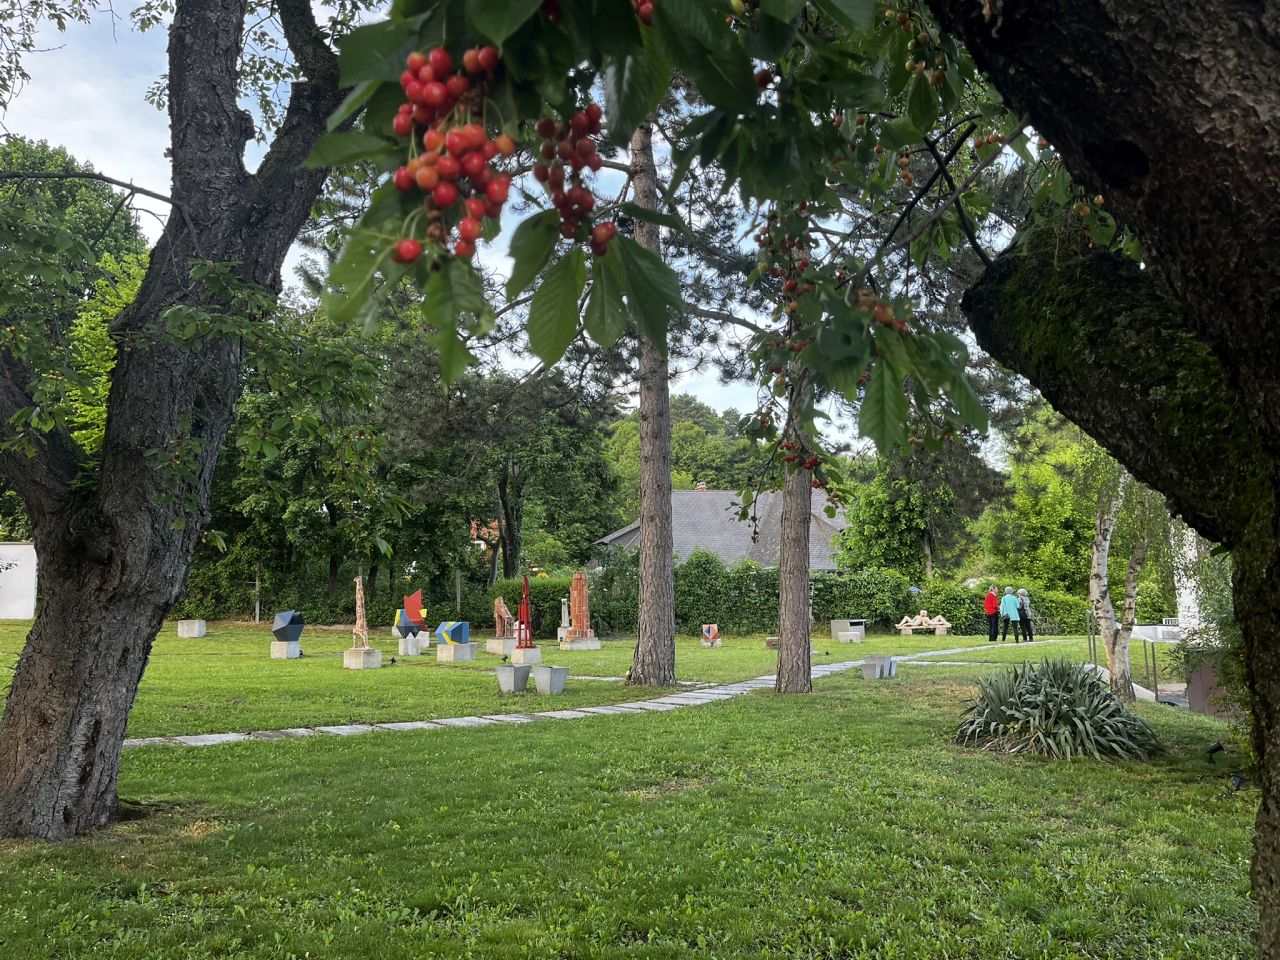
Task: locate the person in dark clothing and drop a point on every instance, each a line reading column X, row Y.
column 991, row 605
column 1024, row 612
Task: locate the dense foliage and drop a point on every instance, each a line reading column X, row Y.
column 1057, row 709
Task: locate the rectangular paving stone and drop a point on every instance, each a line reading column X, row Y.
column 292, row 733
column 409, row 725
column 149, row 742
column 464, row 721
column 347, row 729
column 657, row 705
column 210, row 739
column 563, row 714
column 510, row 717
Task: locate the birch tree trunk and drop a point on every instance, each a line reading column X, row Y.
column 654, row 663
column 1114, row 640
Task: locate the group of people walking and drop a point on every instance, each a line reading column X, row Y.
column 1011, row 609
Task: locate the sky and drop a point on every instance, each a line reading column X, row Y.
column 87, row 93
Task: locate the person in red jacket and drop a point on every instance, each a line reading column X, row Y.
column 992, row 606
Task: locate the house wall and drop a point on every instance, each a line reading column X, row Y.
column 17, row 581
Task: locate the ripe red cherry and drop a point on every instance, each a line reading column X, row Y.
column 449, row 167
column 457, row 85
column 402, row 124
column 456, row 142
column 444, row 195
column 407, row 78
column 416, row 60
column 499, row 188
column 413, row 91
column 404, row 179
column 492, row 209
column 565, row 149
column 595, row 162
column 541, row 172
column 586, row 147
column 433, row 140
column 440, row 61
column 489, row 59
column 546, row 128
column 464, row 249
column 475, row 207
column 555, row 175
column 471, row 61
column 594, row 113
column 474, row 132
column 473, row 163
column 427, row 75
column 469, row 228
column 579, row 123
column 489, row 149
column 604, row 232
column 407, row 251
column 506, row 144
column 646, row 14
column 434, row 94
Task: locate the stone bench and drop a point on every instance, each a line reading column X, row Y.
column 937, row 631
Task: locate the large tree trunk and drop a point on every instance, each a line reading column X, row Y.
column 794, row 673
column 794, row 617
column 1129, row 609
column 511, row 519
column 113, row 560
column 1114, row 640
column 654, row 663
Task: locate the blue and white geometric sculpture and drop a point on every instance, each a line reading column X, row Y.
column 454, row 632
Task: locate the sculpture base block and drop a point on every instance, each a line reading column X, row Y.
column 412, row 646
column 286, row 649
column 562, row 633
column 361, row 658
column 548, row 679
column 851, row 636
column 500, row 646
column 191, row 629
column 581, row 643
column 455, row 652
column 711, row 643
column 513, row 678
column 524, row 655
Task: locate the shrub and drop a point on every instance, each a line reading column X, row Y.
column 961, row 606
column 615, row 593
column 751, row 598
column 1056, row 709
column 879, row 596
column 701, row 591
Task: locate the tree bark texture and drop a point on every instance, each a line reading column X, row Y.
column 1110, row 346
column 654, row 663
column 794, row 615
column 114, row 559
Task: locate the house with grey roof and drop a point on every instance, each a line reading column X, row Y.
column 709, row 519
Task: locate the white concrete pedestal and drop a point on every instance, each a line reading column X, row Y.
column 711, row 643
column 513, row 678
column 581, row 643
column 455, row 652
column 191, row 628
column 562, row 633
column 411, row 646
column 362, row 658
column 526, row 655
column 548, row 679
column 500, row 646
column 286, row 650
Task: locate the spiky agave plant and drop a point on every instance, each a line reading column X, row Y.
column 1056, row 709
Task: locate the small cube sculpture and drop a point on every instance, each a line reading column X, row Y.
column 454, row 632
column 287, row 626
column 710, row 635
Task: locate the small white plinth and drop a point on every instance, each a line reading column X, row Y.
column 286, row 649
column 547, row 679
column 513, row 678
column 523, row 655
column 361, row 658
column 500, row 646
column 191, row 628
column 562, row 633
column 411, row 646
column 711, row 643
column 455, row 652
column 851, row 636
column 581, row 643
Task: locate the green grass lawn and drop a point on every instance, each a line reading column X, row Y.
column 839, row 825
column 1075, row 649
column 227, row 682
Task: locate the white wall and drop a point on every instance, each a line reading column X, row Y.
column 17, row 582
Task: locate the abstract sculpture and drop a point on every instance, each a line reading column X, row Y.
column 287, row 628
column 526, row 650
column 710, row 635
column 454, row 632
column 361, row 656
column 580, row 635
column 414, row 611
column 504, row 625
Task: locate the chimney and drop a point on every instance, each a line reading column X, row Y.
column 700, row 486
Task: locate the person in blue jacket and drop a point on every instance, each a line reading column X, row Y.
column 1009, row 614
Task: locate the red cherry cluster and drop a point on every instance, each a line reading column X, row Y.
column 644, row 10
column 571, row 146
column 454, row 163
column 793, row 455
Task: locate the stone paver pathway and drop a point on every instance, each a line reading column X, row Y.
column 703, row 694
